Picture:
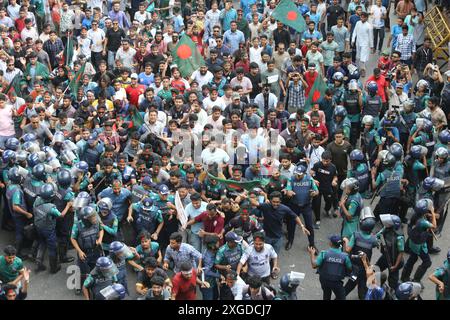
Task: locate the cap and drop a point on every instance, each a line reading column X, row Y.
column 236, row 96
column 232, row 236
column 385, row 52
column 163, row 189
column 91, row 139
column 134, row 76
column 335, row 239
column 311, row 65
column 399, row 85
column 147, row 181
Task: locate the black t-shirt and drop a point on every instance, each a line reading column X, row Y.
column 339, row 156
column 154, row 60
column 324, row 175
column 273, row 219
column 114, row 39
column 256, row 80
column 333, row 12
column 145, row 280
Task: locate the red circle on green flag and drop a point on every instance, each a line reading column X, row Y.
column 292, row 15
column 184, row 51
column 316, row 96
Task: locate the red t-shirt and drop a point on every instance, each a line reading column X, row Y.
column 320, row 129
column 382, row 83
column 310, row 81
column 215, row 225
column 134, row 93
column 185, row 289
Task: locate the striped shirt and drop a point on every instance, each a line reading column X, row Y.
column 406, row 45
column 185, row 253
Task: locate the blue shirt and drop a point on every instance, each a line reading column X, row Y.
column 232, row 39
column 245, row 6
column 186, row 252
column 178, row 23
column 146, row 80
column 396, row 31
column 120, row 202
column 315, row 35
column 226, row 17
column 314, row 17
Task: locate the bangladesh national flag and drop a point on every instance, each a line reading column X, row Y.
column 317, row 91
column 69, row 51
column 186, row 56
column 15, row 86
column 236, row 185
column 74, row 84
column 288, row 13
column 137, row 120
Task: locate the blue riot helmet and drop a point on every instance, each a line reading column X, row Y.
column 115, row 291
column 105, row 205
column 290, row 281
column 87, row 213
column 47, row 191
column 423, row 84
column 120, row 249
column 408, row 290
column 444, row 136
column 21, row 155
column 338, row 76
column 29, row 137
column 433, row 184
column 64, row 178
column 49, row 153
column 372, row 88
column 442, row 153
column 423, row 206
column 9, row 156
column 389, row 160
column 417, row 152
column 14, row 175
column 300, row 170
column 356, row 155
column 408, row 105
column 82, row 200
column 12, row 144
column 120, row 290
column 106, row 267
column 354, row 74
column 58, row 137
column 39, row 172
column 33, row 160
column 396, row 149
column 147, row 204
column 353, row 85
column 339, row 111
column 82, row 166
column 366, row 220
column 390, row 221
column 427, row 125
column 31, row 147
column 67, row 156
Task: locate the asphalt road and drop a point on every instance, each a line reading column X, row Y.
column 44, row 286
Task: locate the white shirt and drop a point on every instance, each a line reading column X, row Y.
column 141, row 17
column 217, row 125
column 376, row 13
column 202, row 79
column 202, row 118
column 32, row 33
column 219, row 156
column 363, row 34
column 258, row 262
column 208, row 104
column 127, row 57
column 255, row 54
column 314, row 155
column 97, row 38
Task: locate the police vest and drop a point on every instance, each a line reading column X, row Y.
column 147, row 220
column 42, row 218
column 417, row 234
column 390, row 237
column 333, row 266
column 100, row 283
column 109, row 222
column 441, row 171
column 9, row 194
column 87, row 236
column 428, row 142
column 364, row 245
column 369, row 142
column 233, row 256
column 410, row 120
column 59, row 198
column 356, row 198
column 302, row 189
column 30, row 191
column 362, row 177
column 391, row 189
column 138, row 193
column 351, row 103
column 373, row 106
column 91, row 156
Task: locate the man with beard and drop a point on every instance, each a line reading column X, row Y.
column 202, row 76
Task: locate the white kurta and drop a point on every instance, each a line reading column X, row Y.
column 363, row 38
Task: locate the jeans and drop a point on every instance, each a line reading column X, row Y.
column 276, row 243
column 195, row 241
column 212, row 292
column 111, row 59
column 96, row 57
column 360, row 281
column 3, row 140
column 317, row 203
column 378, row 33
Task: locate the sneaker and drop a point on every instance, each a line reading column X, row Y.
column 317, row 225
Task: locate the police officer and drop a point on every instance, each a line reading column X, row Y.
column 333, row 265
column 229, row 255
column 128, row 174
column 396, row 149
column 338, row 88
column 441, row 277
column 108, row 222
column 392, row 247
column 353, row 102
column 63, row 201
column 87, row 236
column 148, row 217
column 350, row 207
column 45, row 214
column 102, row 276
column 373, row 104
column 120, row 254
column 418, row 231
column 360, row 245
column 408, row 291
column 104, row 178
column 288, row 286
column 442, row 164
column 81, row 174
column 389, row 187
column 340, row 121
column 92, row 153
column 407, row 118
column 423, row 135
column 17, row 206
column 371, row 142
column 301, row 189
column 360, row 172
column 139, row 191
column 33, row 183
column 444, row 139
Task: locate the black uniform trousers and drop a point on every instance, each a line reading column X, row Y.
column 336, row 287
column 317, row 202
column 421, row 270
column 306, row 212
column 394, row 276
column 386, row 206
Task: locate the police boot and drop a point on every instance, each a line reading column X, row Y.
column 39, row 259
column 63, row 258
column 54, row 266
column 20, row 254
